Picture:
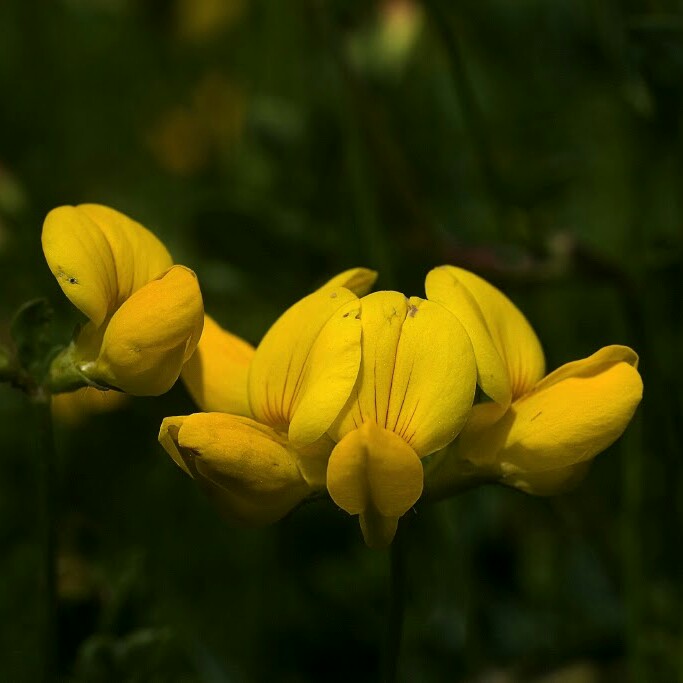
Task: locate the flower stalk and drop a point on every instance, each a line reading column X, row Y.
column 396, row 612
column 64, row 374
column 49, row 490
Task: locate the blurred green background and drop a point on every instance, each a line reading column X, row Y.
column 271, row 144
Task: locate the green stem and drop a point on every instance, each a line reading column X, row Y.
column 471, row 111
column 394, row 632
column 47, row 455
column 358, row 162
column 632, row 548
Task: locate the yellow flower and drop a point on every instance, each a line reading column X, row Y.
column 145, row 314
column 413, row 394
column 538, row 433
column 270, row 453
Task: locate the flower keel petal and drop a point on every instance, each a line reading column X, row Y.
column 373, row 472
column 248, row 470
column 168, row 438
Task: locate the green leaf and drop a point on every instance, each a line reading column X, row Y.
column 31, row 331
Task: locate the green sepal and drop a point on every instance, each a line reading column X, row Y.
column 448, row 474
column 64, row 374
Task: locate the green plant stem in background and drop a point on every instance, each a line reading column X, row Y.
column 394, row 632
column 364, row 197
column 48, row 480
column 360, row 173
column 471, row 111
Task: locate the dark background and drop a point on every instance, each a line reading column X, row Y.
column 271, row 144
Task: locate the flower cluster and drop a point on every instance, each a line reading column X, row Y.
column 373, row 398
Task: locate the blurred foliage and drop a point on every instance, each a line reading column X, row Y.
column 270, row 145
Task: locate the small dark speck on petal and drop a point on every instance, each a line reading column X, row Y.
column 333, row 295
column 73, row 281
column 412, row 311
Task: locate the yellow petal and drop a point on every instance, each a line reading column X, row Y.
column 152, row 334
column 248, row 470
column 358, row 280
column 382, row 315
column 168, row 438
column 277, row 369
column 591, row 366
column 312, row 461
column 569, row 418
column 216, row 373
column 417, row 375
column 505, row 334
column 378, row 530
column 373, row 468
column 329, row 375
column 81, row 259
column 138, row 254
column 74, row 407
column 479, row 441
column 100, row 257
column 434, row 378
column 548, row 482
column 443, row 287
